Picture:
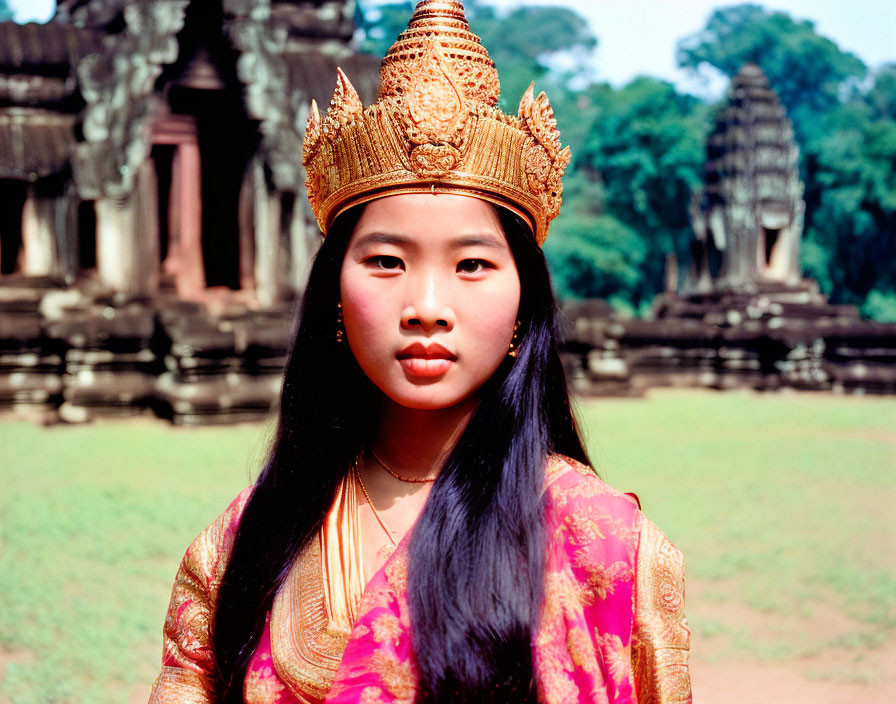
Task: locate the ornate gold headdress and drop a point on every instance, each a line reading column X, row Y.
column 435, row 127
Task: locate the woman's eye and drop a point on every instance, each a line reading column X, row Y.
column 472, row 266
column 385, row 262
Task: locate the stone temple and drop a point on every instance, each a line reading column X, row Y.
column 748, row 219
column 155, row 234
column 744, row 316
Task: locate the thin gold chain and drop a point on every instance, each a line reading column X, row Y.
column 427, row 480
column 372, row 507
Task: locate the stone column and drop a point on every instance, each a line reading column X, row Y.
column 306, row 238
column 66, row 216
column 147, row 230
column 190, row 270
column 267, row 238
column 246, row 215
column 172, row 257
column 38, row 235
column 117, row 257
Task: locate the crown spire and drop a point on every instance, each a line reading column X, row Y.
column 435, row 127
column 444, row 22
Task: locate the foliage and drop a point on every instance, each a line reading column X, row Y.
column 882, row 96
column 5, row 11
column 854, row 216
column 646, row 144
column 880, row 306
column 593, row 255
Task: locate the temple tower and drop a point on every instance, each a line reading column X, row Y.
column 748, row 219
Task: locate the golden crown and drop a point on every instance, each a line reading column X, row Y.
column 435, row 127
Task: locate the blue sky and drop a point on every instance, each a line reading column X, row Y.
column 639, row 36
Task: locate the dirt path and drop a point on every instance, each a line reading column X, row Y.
column 832, row 676
column 747, row 683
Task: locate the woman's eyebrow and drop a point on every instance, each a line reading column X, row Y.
column 481, row 240
column 381, row 238
column 473, row 240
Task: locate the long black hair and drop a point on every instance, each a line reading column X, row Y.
column 477, row 548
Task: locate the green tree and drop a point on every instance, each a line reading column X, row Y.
column 592, row 254
column 381, row 23
column 806, row 70
column 5, row 12
column 646, row 144
column 882, row 96
column 850, row 246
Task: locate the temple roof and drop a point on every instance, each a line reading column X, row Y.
column 285, row 54
column 34, row 144
column 38, row 64
column 41, row 48
column 752, row 142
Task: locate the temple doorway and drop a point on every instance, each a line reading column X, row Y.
column 202, row 142
column 200, row 154
column 226, row 141
column 13, row 194
column 86, row 237
column 770, row 235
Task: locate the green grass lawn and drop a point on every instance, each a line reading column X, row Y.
column 782, row 504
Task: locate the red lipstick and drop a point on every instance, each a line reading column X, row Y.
column 422, row 360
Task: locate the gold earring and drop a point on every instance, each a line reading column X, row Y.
column 514, row 341
column 340, row 329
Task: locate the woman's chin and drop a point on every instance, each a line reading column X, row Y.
column 426, row 397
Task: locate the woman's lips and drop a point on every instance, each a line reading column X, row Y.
column 421, row 366
column 426, row 361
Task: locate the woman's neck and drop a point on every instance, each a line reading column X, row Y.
column 414, row 443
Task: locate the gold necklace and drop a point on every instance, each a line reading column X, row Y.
column 372, row 507
column 398, row 476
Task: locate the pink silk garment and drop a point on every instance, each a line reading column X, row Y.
column 612, row 623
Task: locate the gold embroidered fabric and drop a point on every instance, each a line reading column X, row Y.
column 187, row 658
column 175, row 685
column 313, row 613
column 311, row 617
column 661, row 637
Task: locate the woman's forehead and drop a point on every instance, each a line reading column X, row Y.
column 432, row 216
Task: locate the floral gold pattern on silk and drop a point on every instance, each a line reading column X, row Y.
column 435, row 127
column 660, row 645
column 612, row 628
column 187, row 658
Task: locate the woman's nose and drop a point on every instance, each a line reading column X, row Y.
column 427, row 307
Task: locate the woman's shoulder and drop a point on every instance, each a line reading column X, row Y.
column 585, row 514
column 208, row 553
column 570, row 484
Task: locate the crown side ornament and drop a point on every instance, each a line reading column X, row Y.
column 435, row 127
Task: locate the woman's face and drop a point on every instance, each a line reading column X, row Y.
column 430, row 294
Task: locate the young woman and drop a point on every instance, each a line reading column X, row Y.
column 427, row 527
